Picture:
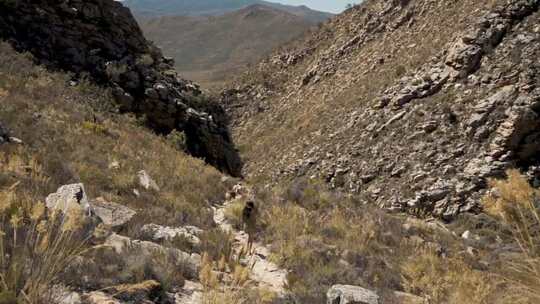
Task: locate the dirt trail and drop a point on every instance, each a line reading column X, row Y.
column 265, row 273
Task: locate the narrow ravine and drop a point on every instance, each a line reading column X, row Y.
column 264, row 272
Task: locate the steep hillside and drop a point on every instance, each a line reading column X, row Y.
column 63, row 134
column 100, row 39
column 96, row 208
column 153, row 8
column 211, row 49
column 409, row 104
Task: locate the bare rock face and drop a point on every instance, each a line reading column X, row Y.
column 420, row 139
column 160, row 233
column 101, row 38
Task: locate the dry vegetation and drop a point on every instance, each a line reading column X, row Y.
column 517, row 204
column 66, row 132
column 326, row 238
column 71, row 134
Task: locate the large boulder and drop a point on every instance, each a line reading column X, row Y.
column 348, row 294
column 148, row 252
column 112, row 214
column 69, row 197
column 146, row 181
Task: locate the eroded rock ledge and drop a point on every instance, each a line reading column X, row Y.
column 100, row 38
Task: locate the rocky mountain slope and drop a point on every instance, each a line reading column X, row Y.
column 102, row 40
column 410, row 104
column 211, row 49
column 153, row 8
column 96, row 208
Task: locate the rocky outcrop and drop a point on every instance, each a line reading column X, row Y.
column 149, row 252
column 360, row 110
column 101, row 39
column 349, row 294
column 146, row 181
column 159, row 233
column 463, row 57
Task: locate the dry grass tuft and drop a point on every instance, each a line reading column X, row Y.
column 70, row 135
column 517, row 204
column 35, row 245
column 446, row 280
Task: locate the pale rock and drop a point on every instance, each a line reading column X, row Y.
column 16, row 140
column 348, row 294
column 69, row 196
column 126, row 247
column 163, row 233
column 112, row 214
column 146, row 181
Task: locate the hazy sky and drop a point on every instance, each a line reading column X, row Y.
column 335, row 6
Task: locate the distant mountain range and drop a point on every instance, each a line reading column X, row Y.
column 155, row 8
column 209, row 49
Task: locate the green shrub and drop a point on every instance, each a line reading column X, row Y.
column 178, row 140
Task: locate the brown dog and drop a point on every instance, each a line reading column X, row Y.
column 249, row 217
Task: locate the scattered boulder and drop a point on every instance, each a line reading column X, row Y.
column 348, row 294
column 146, row 181
column 162, row 233
column 148, row 251
column 69, row 196
column 112, row 214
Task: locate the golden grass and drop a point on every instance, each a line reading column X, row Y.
column 67, row 131
column 517, row 204
column 70, row 135
column 35, row 245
